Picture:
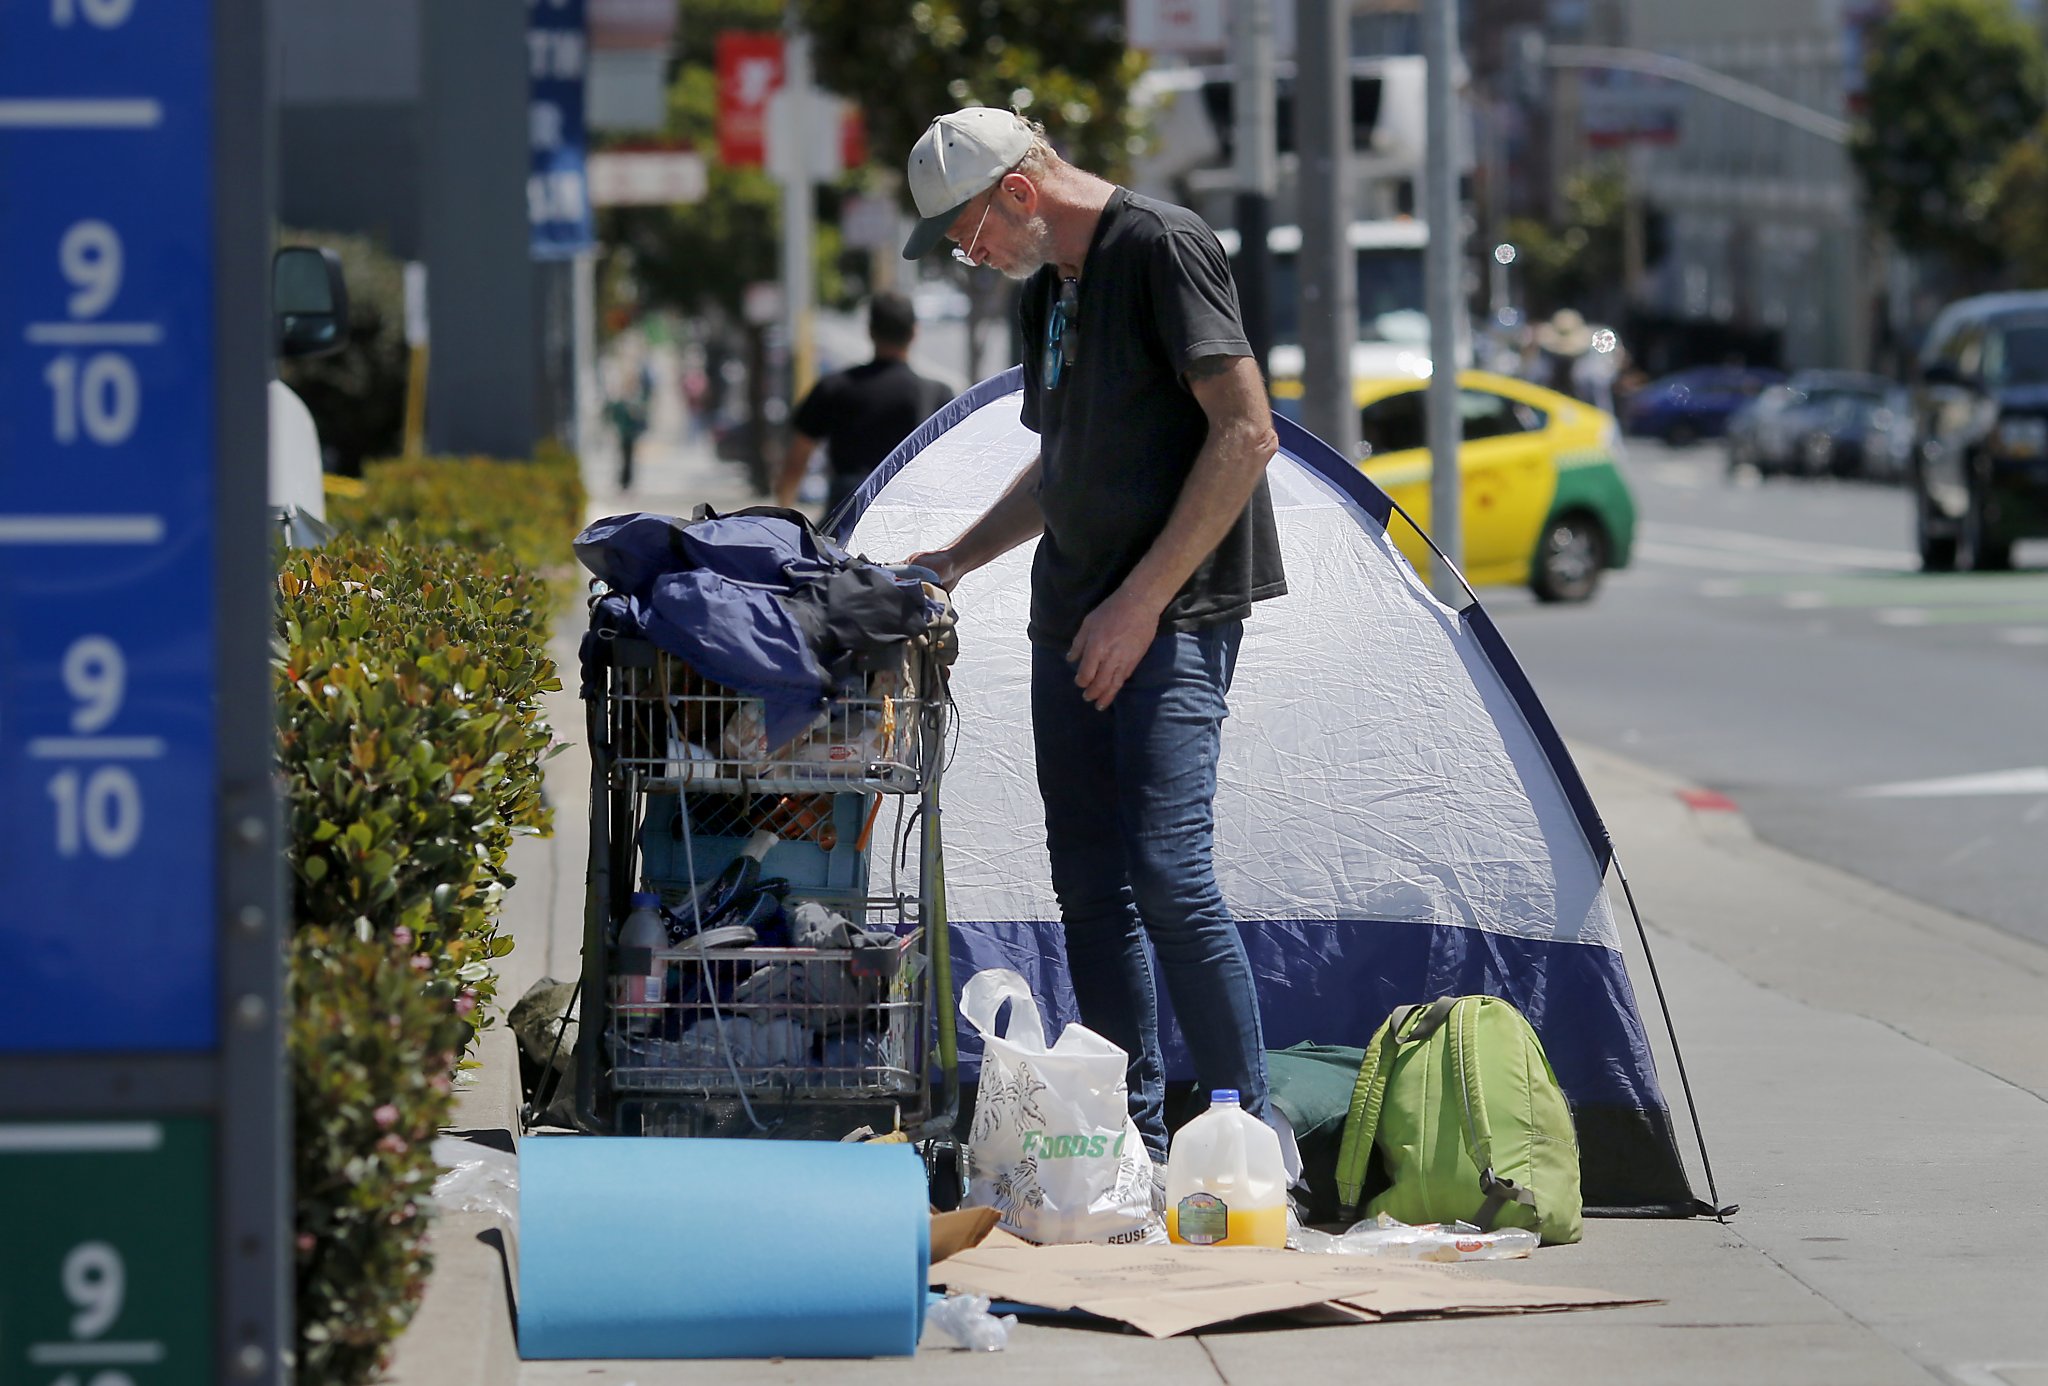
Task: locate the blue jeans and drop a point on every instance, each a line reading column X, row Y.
column 1130, row 821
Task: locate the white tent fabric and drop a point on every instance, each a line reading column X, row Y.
column 1329, row 806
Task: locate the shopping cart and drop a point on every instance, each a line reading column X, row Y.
column 804, row 991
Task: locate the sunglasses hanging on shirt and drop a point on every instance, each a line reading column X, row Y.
column 1062, row 333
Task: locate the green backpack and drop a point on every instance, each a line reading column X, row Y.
column 1469, row 1121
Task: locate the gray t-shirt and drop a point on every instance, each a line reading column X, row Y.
column 1119, row 431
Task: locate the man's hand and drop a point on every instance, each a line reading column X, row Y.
column 942, row 562
column 1111, row 641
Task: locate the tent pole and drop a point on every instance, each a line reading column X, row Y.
column 1692, row 1112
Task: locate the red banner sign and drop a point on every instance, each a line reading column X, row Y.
column 749, row 72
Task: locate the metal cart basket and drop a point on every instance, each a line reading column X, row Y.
column 822, row 1007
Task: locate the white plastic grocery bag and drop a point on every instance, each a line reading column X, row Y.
column 1053, row 1147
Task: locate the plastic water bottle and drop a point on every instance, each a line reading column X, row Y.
column 637, row 996
column 1225, row 1182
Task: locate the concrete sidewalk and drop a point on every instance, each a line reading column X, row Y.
column 1870, row 1072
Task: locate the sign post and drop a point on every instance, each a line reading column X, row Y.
column 143, row 1188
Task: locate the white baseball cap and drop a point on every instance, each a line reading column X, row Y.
column 955, row 160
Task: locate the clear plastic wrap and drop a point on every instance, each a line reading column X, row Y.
column 965, row 1319
column 478, row 1179
column 1429, row 1241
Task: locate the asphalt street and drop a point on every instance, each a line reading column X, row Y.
column 1776, row 643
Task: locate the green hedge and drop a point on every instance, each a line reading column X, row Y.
column 409, row 687
column 410, row 663
column 373, row 1043
column 531, row 509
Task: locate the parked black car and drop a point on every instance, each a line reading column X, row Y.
column 1841, row 423
column 1980, row 412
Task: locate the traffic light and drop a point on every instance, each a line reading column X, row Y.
column 1525, row 54
column 1218, row 100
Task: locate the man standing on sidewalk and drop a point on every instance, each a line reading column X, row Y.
column 1156, row 535
column 862, row 413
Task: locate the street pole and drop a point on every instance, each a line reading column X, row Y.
column 1444, row 292
column 797, row 229
column 1634, row 225
column 1252, row 36
column 1326, row 273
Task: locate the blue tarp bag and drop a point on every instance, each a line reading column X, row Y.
column 740, row 635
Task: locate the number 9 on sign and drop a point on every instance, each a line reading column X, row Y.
column 97, row 676
column 90, row 255
column 101, row 14
column 95, row 1282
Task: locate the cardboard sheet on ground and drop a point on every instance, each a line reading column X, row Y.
column 1164, row 1290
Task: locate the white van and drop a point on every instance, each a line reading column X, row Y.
column 1393, row 321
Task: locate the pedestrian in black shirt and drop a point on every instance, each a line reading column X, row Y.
column 863, row 413
column 1155, row 536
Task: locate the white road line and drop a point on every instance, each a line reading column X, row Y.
column 81, row 115
column 1685, row 556
column 1988, row 1373
column 2024, row 635
column 95, row 333
column 81, row 529
column 2031, row 780
column 96, row 748
column 66, row 1138
column 1800, row 550
column 1679, row 475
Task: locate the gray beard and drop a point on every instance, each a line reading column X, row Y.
column 1039, row 237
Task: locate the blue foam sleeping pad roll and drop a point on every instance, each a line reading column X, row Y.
column 650, row 1248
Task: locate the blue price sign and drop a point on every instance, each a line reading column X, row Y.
column 557, row 186
column 107, row 443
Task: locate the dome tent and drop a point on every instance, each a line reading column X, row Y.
column 1397, row 818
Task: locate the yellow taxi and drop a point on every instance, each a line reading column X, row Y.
column 1545, row 503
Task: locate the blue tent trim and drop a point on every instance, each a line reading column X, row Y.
column 1538, row 717
column 1329, row 464
column 1332, row 981
column 1326, row 462
column 840, row 523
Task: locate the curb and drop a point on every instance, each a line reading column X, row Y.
column 464, row 1333
column 1798, row 927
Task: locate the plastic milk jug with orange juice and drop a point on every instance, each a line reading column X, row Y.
column 1225, row 1182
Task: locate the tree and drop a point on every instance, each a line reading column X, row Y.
column 1073, row 72
column 699, row 259
column 1578, row 265
column 2019, row 209
column 1061, row 62
column 1952, row 86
